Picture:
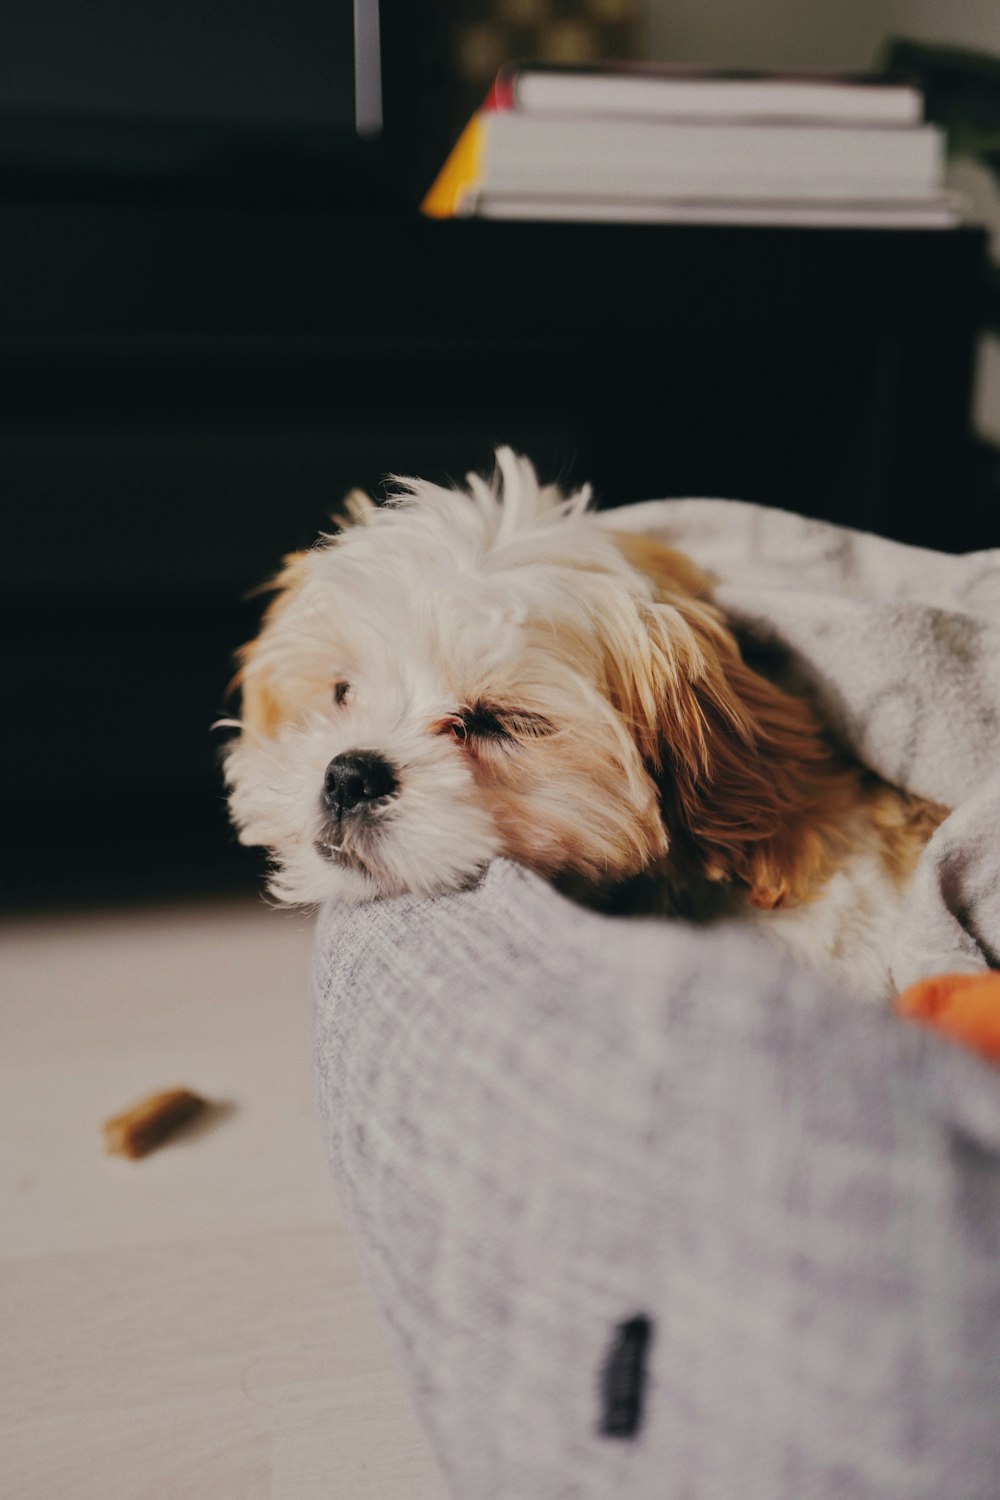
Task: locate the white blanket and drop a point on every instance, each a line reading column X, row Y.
column 902, row 648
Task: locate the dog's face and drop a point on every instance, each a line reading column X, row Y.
column 461, row 675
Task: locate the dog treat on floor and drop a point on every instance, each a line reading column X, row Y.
column 149, row 1123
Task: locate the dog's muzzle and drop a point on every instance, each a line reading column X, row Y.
column 355, row 783
column 355, row 780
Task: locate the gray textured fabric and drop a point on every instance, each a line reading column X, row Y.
column 901, row 646
column 544, row 1122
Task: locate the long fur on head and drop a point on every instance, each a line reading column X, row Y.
column 750, row 791
column 540, row 687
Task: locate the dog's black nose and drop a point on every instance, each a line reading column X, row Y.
column 355, row 778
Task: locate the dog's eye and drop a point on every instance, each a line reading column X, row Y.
column 484, row 723
column 340, row 692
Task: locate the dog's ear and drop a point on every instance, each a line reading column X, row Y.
column 750, row 792
column 256, row 677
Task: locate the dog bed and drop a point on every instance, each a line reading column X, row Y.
column 651, row 1210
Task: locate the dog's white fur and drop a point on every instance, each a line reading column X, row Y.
column 546, row 689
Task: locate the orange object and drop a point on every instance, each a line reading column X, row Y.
column 963, row 1007
column 150, row 1122
column 461, row 174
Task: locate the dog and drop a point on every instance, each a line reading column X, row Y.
column 457, row 675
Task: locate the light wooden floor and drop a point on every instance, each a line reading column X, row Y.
column 194, row 1324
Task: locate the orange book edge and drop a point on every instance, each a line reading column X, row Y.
column 461, row 174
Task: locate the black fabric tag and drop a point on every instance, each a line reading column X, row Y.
column 623, row 1378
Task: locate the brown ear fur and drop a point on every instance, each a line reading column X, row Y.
column 749, row 789
column 260, row 695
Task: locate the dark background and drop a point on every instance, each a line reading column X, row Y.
column 219, row 311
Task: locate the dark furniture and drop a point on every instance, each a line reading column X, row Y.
column 192, row 382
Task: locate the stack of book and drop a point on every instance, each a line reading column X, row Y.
column 648, row 145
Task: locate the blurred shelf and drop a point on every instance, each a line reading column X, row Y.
column 191, row 383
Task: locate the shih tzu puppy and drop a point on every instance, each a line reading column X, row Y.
column 463, row 674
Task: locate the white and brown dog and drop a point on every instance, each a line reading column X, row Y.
column 462, row 674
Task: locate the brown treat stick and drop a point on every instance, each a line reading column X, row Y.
column 148, row 1124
